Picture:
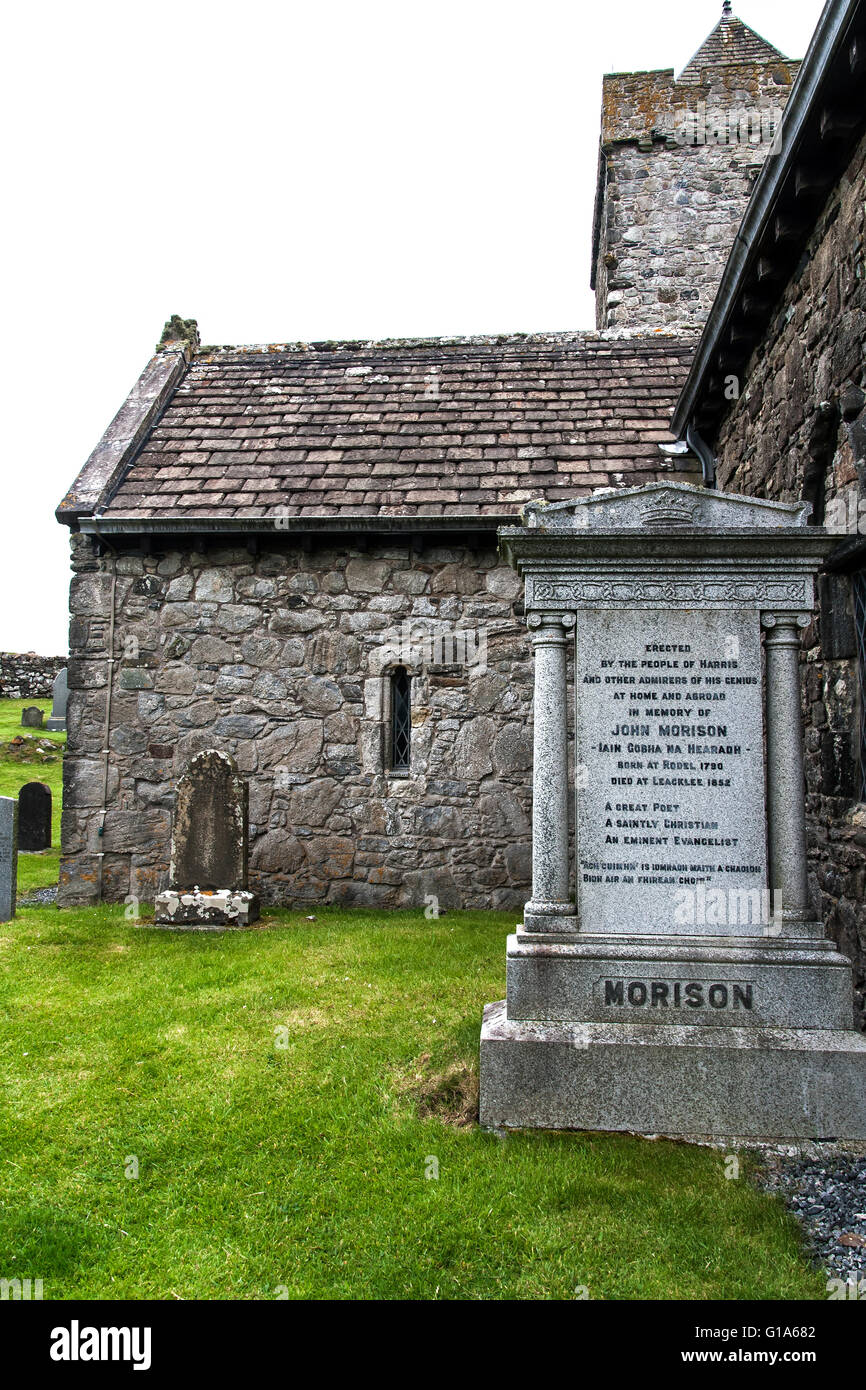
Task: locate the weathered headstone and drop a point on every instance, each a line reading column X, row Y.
column 60, row 692
column 34, row 816
column 31, row 717
column 8, row 856
column 209, row 848
column 683, row 985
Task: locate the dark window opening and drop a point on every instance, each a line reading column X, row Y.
column 860, row 627
column 401, row 720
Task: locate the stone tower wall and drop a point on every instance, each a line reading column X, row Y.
column 677, row 166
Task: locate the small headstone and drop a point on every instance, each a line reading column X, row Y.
column 209, row 839
column 34, row 816
column 209, row 845
column 31, row 717
column 57, row 722
column 8, row 856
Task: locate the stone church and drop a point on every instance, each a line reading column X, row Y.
column 288, row 552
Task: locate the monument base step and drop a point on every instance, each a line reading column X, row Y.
column 685, row 1081
column 201, row 911
column 697, row 981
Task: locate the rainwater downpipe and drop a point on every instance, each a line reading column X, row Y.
column 701, row 448
column 100, row 853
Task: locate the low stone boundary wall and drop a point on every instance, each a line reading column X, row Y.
column 26, row 676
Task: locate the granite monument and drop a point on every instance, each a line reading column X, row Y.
column 60, row 690
column 670, row 975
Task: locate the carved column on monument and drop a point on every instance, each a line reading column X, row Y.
column 552, row 907
column 786, row 806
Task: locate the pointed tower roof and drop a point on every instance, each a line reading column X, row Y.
column 731, row 41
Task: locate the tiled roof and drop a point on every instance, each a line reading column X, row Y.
column 419, row 428
column 731, row 41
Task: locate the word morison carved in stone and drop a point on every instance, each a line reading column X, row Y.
column 670, row 976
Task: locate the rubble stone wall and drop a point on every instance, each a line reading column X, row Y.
column 26, row 676
column 678, row 164
column 799, row 429
column 281, row 659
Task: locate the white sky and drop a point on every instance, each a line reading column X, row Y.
column 285, row 171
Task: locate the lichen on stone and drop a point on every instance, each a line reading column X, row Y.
column 178, row 330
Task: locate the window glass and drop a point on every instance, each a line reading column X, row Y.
column 401, row 720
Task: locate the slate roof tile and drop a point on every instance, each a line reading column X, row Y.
column 730, row 42
column 426, row 427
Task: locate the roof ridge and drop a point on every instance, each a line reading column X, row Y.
column 360, row 346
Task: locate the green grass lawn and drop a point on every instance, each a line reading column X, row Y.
column 26, row 764
column 299, row 1170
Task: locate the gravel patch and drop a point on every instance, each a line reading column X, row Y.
column 827, row 1194
column 39, row 896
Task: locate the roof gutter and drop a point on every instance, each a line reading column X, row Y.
column 293, row 525
column 828, row 37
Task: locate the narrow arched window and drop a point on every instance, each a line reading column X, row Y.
column 401, row 720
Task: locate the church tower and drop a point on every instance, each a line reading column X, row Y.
column 678, row 159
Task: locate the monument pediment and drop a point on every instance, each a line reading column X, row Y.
column 664, row 508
